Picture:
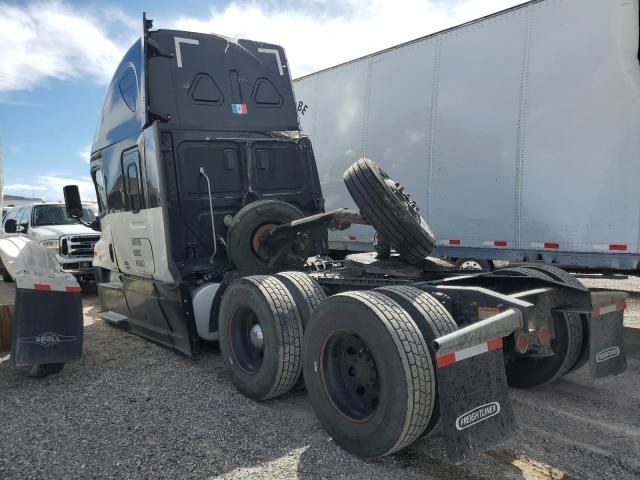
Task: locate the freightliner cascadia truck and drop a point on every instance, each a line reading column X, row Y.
column 213, row 228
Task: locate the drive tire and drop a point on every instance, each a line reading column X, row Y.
column 388, row 210
column 392, row 402
column 565, row 277
column 272, row 370
column 246, row 223
column 433, row 321
column 307, row 295
column 306, row 292
column 527, row 372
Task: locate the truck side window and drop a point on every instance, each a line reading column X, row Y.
column 132, row 181
column 101, row 189
column 129, row 89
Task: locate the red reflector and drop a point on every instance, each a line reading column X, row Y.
column 522, row 343
column 352, row 237
column 544, row 336
column 72, row 289
column 499, row 243
column 446, row 359
column 454, row 242
column 41, row 286
column 494, row 344
column 551, row 245
column 618, row 247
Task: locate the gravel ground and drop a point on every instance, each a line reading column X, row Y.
column 131, row 409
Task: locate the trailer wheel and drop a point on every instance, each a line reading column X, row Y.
column 433, row 321
column 249, row 224
column 527, row 372
column 565, row 277
column 368, row 373
column 474, row 264
column 390, row 211
column 260, row 337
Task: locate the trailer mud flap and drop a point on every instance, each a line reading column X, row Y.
column 606, row 343
column 476, row 410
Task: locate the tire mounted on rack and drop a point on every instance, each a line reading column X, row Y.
column 383, row 203
column 248, row 226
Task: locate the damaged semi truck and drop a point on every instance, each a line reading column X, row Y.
column 213, row 229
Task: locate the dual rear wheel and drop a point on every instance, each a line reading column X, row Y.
column 366, row 355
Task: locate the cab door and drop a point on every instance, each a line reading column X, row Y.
column 104, row 255
column 131, row 230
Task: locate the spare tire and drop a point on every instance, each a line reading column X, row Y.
column 249, row 224
column 389, row 210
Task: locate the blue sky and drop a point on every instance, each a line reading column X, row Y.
column 58, row 57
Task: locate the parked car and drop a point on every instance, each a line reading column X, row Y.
column 50, row 226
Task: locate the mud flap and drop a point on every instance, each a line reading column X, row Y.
column 606, row 343
column 476, row 410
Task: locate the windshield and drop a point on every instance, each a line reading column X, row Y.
column 57, row 215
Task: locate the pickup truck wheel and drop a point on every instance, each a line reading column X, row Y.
column 527, row 372
column 5, row 274
column 433, row 321
column 41, row 370
column 383, row 203
column 260, row 337
column 368, row 373
column 248, row 226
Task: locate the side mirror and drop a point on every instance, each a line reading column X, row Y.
column 72, row 201
column 10, row 226
column 24, row 227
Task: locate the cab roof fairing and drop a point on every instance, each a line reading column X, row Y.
column 116, row 121
column 199, row 81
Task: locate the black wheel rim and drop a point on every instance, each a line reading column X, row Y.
column 350, row 376
column 246, row 340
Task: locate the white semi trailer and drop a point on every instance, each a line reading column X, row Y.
column 517, row 133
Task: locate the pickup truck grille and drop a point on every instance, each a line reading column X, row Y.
column 76, row 246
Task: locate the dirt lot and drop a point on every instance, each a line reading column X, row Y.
column 131, row 409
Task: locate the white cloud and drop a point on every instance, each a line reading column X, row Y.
column 315, row 39
column 85, row 153
column 53, row 185
column 24, row 186
column 51, row 39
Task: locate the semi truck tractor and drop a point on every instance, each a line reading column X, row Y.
column 213, row 228
column 515, row 133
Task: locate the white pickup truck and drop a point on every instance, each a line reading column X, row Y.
column 49, row 225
